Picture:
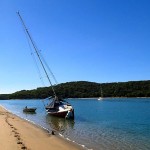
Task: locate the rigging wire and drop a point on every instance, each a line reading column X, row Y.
column 48, row 68
column 35, row 61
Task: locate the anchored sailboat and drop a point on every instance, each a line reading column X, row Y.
column 57, row 107
column 101, row 98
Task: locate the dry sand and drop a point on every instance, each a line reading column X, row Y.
column 18, row 134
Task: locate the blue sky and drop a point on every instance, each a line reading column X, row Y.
column 81, row 40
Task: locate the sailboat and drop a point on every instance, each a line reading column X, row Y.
column 57, row 107
column 101, row 97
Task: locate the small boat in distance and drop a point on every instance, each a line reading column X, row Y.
column 57, row 107
column 32, row 109
column 101, row 98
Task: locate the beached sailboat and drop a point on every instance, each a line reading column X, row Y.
column 60, row 108
column 57, row 107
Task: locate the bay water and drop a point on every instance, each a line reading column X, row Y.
column 109, row 124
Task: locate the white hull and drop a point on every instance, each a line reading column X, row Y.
column 100, row 98
column 64, row 111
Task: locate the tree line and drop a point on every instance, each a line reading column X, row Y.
column 84, row 89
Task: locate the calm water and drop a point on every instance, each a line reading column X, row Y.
column 111, row 124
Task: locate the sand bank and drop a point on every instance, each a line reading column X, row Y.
column 18, row 134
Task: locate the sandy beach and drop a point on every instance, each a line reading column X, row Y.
column 18, row 134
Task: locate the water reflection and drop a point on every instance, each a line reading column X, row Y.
column 59, row 124
column 29, row 113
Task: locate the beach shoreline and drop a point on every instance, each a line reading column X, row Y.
column 18, row 133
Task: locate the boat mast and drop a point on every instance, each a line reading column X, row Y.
column 36, row 50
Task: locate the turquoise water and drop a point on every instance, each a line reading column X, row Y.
column 111, row 124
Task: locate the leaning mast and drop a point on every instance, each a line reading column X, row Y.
column 36, row 50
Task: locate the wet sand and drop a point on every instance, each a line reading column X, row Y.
column 19, row 134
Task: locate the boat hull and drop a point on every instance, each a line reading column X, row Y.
column 58, row 114
column 29, row 109
column 62, row 114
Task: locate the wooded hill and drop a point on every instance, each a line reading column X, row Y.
column 84, row 89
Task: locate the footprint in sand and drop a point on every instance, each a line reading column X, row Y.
column 19, row 142
column 18, row 138
column 23, row 147
column 2, row 113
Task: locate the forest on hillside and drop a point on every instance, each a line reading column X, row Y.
column 84, row 89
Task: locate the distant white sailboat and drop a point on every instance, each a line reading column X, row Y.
column 101, row 98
